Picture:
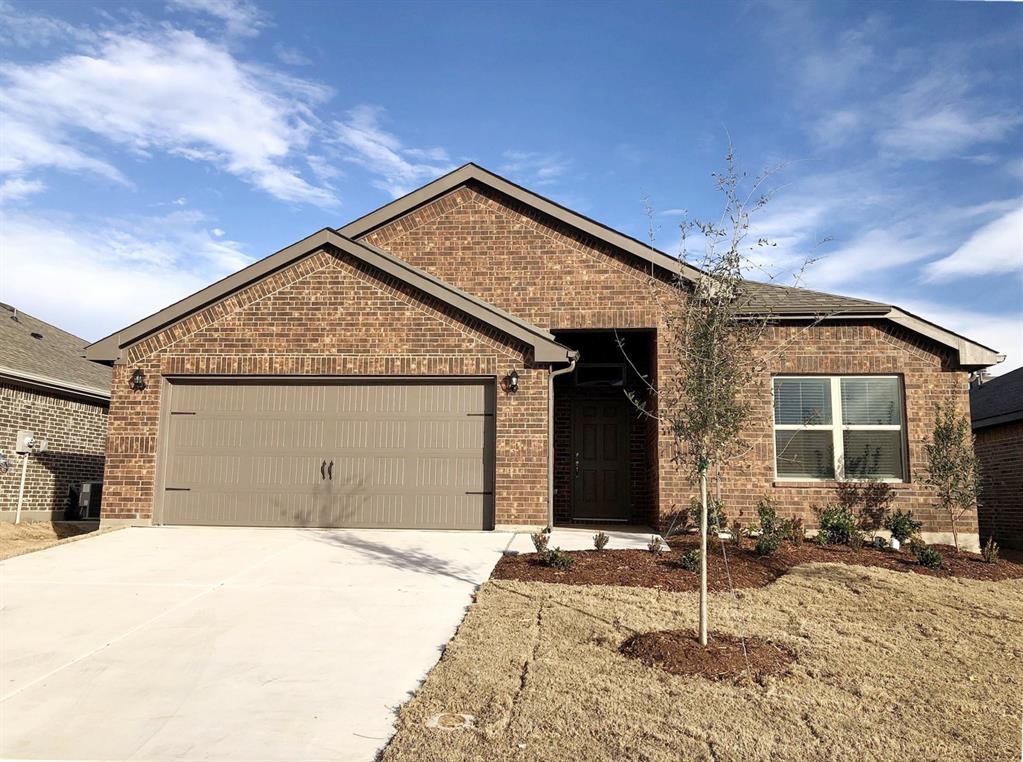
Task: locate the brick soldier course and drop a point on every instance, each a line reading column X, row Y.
column 326, row 314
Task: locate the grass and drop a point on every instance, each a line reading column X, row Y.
column 889, row 666
column 18, row 539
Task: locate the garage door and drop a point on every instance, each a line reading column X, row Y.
column 388, row 454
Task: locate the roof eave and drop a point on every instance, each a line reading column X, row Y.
column 55, row 384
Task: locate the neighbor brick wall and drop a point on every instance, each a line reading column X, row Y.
column 1000, row 450
column 330, row 315
column 547, row 273
column 75, row 431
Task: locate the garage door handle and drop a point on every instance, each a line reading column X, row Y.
column 323, row 470
column 330, row 471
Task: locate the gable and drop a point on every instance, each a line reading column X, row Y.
column 332, row 304
column 541, row 270
column 221, row 298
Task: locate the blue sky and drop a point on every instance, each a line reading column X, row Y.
column 149, row 149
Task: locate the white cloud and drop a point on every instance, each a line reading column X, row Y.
column 534, row 168
column 291, row 56
column 27, row 30
column 17, row 188
column 239, row 17
column 171, row 91
column 995, row 248
column 398, row 168
column 114, row 271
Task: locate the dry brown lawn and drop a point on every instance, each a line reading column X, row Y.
column 889, row 666
column 16, row 539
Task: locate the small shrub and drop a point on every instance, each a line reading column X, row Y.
column 737, row 533
column 557, row 559
column 767, row 514
column 600, row 541
column 916, row 544
column 990, row 551
column 716, row 519
column 540, row 540
column 902, row 525
column 856, row 540
column 767, row 544
column 690, row 560
column 837, row 524
column 929, row 558
column 656, row 545
column 792, row 531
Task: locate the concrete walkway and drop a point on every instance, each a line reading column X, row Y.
column 227, row 644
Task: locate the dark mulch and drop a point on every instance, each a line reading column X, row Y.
column 639, row 568
column 723, row 658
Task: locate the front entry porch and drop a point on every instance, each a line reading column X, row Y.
column 605, row 449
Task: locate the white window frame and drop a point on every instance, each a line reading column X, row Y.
column 837, row 427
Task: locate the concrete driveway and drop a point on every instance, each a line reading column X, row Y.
column 218, row 643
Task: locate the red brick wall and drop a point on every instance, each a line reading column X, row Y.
column 835, row 349
column 1000, row 450
column 330, row 315
column 75, row 431
column 557, row 278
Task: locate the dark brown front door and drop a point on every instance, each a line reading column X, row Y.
column 600, row 467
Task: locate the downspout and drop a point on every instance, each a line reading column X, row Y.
column 573, row 358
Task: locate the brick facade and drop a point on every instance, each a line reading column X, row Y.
column 1000, row 450
column 75, row 431
column 482, row 242
column 330, row 315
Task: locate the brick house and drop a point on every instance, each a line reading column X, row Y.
column 996, row 408
column 451, row 361
column 48, row 388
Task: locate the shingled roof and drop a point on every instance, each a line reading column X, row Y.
column 37, row 353
column 997, row 400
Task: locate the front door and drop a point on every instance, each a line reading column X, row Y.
column 600, row 464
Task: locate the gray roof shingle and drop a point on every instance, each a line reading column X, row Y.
column 36, row 351
column 998, row 400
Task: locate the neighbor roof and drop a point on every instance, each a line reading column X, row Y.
column 545, row 347
column 997, row 400
column 781, row 302
column 37, row 353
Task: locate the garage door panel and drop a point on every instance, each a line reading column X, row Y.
column 403, row 454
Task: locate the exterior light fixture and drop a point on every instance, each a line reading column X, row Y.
column 513, row 381
column 138, row 380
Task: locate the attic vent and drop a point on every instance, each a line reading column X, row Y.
column 36, row 335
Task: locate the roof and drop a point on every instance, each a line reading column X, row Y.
column 545, row 348
column 779, row 302
column 35, row 352
column 997, row 400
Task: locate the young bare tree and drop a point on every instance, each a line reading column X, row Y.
column 952, row 468
column 713, row 332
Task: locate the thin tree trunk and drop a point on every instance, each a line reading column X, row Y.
column 703, row 555
column 955, row 532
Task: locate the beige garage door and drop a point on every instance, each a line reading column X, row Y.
column 388, row 454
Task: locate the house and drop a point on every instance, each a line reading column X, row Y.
column 996, row 408
column 48, row 388
column 450, row 361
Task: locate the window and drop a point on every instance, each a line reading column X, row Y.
column 838, row 427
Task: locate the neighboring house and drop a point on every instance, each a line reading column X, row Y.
column 48, row 388
column 397, row 372
column 996, row 406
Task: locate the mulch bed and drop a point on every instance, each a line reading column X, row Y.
column 723, row 658
column 639, row 568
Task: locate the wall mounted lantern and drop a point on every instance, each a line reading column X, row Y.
column 138, row 380
column 512, row 381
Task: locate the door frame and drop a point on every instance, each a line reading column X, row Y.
column 168, row 383
column 624, row 459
